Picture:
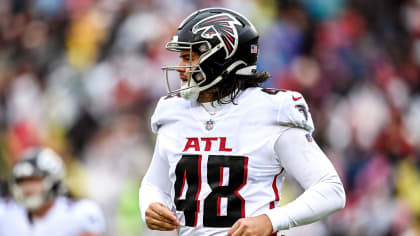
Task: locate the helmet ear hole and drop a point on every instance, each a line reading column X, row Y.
column 198, row 76
column 203, row 48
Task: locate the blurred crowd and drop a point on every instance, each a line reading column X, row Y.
column 83, row 77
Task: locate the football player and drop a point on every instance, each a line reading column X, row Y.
column 224, row 145
column 38, row 207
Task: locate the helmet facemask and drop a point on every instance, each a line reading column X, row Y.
column 34, row 201
column 196, row 76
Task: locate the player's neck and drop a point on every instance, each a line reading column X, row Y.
column 208, row 95
column 43, row 210
column 211, row 95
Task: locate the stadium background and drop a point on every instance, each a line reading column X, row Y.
column 83, row 77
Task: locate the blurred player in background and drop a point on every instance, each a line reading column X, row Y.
column 38, row 207
column 224, row 144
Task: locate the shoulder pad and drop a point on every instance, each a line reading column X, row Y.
column 293, row 109
column 164, row 111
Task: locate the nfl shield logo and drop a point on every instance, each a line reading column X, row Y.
column 209, row 125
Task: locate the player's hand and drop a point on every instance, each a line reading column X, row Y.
column 159, row 217
column 252, row 226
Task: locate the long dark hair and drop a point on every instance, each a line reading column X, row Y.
column 230, row 87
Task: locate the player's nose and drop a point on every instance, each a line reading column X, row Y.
column 180, row 68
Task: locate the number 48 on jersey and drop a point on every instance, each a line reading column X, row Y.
column 188, row 170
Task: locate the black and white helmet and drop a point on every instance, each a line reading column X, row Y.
column 43, row 163
column 226, row 41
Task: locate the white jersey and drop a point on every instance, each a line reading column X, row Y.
column 215, row 169
column 66, row 218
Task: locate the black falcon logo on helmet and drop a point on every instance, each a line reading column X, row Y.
column 221, row 26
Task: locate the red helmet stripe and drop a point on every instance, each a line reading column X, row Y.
column 216, row 19
column 228, row 29
column 230, row 37
column 227, row 44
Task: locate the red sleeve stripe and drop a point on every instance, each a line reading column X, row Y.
column 275, row 189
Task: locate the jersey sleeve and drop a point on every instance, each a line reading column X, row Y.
column 167, row 112
column 294, row 111
column 156, row 121
column 2, row 209
column 91, row 217
column 306, row 162
column 155, row 186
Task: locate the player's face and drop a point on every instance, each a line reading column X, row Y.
column 184, row 73
column 31, row 186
